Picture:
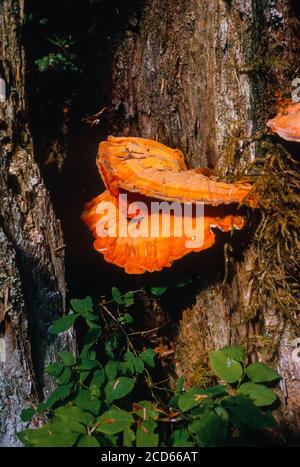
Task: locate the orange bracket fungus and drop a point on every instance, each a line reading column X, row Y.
column 138, row 254
column 133, row 228
column 153, row 169
column 287, row 122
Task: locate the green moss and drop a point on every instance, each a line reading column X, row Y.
column 265, row 346
column 202, row 375
column 275, row 226
column 261, row 64
column 276, row 243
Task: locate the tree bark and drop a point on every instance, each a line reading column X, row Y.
column 32, row 280
column 199, row 75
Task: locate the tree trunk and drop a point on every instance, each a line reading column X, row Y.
column 31, row 246
column 200, row 75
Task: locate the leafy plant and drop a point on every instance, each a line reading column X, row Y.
column 96, row 401
column 182, row 280
column 62, row 59
column 229, row 413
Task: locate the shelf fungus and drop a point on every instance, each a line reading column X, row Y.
column 287, row 122
column 153, row 169
column 143, row 245
column 154, row 210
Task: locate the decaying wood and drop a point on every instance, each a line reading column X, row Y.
column 32, row 287
column 192, row 77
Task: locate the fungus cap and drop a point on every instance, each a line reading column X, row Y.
column 287, row 122
column 152, row 169
column 150, row 253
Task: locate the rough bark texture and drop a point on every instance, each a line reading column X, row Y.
column 32, row 287
column 192, row 77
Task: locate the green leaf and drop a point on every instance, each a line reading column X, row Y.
column 158, row 291
column 236, row 352
column 117, row 296
column 225, row 368
column 42, row 64
column 210, row 429
column 148, row 357
column 83, row 376
column 111, row 347
column 129, row 356
column 65, row 440
column 127, row 368
column 92, row 335
column 62, row 427
column 132, row 364
column 27, row 414
column 146, row 410
column 244, row 414
column 138, row 365
column 58, row 394
column 28, row 17
column 173, row 402
column 89, row 364
column 90, row 318
column 261, row 373
column 65, row 376
column 57, row 433
column 40, row 408
column 193, row 397
column 128, row 299
column 145, row 438
column 183, row 280
column 88, row 442
column 114, row 421
column 54, row 369
column 222, row 412
column 68, row 424
column 128, row 437
column 98, row 379
column 85, row 401
column 217, row 391
column 180, row 384
column 87, row 354
column 82, row 307
column 109, row 440
column 112, row 369
column 62, row 324
column 91, row 355
column 118, row 388
column 95, row 392
column 181, row 439
column 67, row 357
column 259, row 393
column 70, row 413
column 127, row 318
column 43, row 21
column 48, row 437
